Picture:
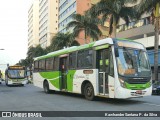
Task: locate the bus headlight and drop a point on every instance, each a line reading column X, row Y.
column 122, row 83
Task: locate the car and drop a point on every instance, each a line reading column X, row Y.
column 156, row 88
column 1, row 80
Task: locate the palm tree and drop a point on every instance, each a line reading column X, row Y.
column 61, row 40
column 113, row 10
column 86, row 24
column 152, row 6
column 35, row 52
column 30, row 52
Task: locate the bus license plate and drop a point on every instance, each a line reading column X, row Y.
column 139, row 92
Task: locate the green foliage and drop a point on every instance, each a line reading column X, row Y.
column 61, row 40
column 113, row 10
column 32, row 52
column 86, row 24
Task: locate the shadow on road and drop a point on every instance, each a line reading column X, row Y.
column 98, row 99
column 119, row 101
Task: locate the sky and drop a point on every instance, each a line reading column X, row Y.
column 13, row 31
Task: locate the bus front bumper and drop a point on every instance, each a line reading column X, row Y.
column 127, row 93
column 17, row 82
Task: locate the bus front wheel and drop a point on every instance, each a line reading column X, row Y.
column 46, row 87
column 89, row 92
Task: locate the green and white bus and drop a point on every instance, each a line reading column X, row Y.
column 100, row 68
column 15, row 75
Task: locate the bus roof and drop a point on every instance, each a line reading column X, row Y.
column 75, row 48
column 15, row 67
column 90, row 45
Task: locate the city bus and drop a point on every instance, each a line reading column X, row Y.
column 99, row 68
column 15, row 75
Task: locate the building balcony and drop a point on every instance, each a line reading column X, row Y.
column 136, row 30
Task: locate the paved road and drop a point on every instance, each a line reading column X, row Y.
column 31, row 98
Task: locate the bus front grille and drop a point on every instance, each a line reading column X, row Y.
column 137, row 81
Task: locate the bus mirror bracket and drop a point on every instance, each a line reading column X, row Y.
column 116, row 48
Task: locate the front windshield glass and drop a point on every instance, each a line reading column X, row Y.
column 16, row 73
column 133, row 62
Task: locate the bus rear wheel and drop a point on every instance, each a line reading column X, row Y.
column 46, row 87
column 89, row 92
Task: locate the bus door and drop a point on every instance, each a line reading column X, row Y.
column 63, row 73
column 103, row 66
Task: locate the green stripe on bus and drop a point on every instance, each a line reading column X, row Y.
column 102, row 47
column 53, row 77
column 137, row 86
column 70, row 77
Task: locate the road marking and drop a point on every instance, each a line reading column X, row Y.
column 152, row 104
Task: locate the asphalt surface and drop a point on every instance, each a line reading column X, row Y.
column 31, row 98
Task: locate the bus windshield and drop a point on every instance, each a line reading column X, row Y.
column 133, row 62
column 16, row 73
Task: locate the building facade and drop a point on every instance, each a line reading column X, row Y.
column 69, row 7
column 48, row 21
column 33, row 26
column 43, row 16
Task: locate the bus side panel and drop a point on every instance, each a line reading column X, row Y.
column 38, row 80
column 111, row 86
column 52, row 77
column 80, row 76
column 70, row 77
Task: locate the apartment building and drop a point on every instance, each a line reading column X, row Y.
column 33, row 26
column 48, row 21
column 69, row 7
column 42, row 22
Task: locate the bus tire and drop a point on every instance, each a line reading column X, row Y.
column 46, row 87
column 89, row 92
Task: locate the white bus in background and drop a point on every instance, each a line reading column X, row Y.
column 15, row 75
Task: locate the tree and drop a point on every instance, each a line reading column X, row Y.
column 113, row 10
column 35, row 52
column 32, row 52
column 152, row 6
column 61, row 40
column 86, row 24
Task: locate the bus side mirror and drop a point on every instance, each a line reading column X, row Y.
column 116, row 52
